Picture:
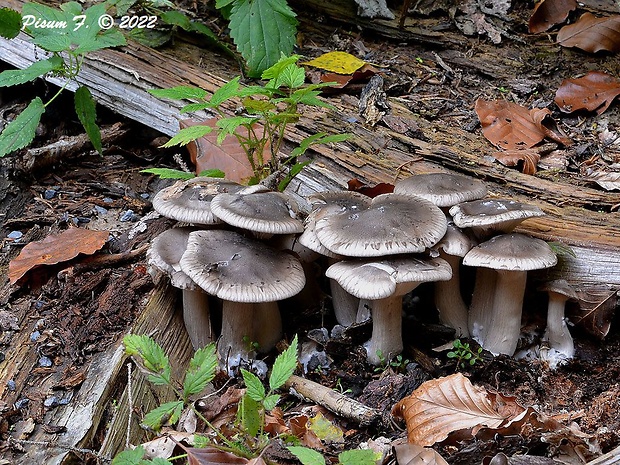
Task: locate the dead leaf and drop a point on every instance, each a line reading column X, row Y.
column 597, row 305
column 324, row 429
column 336, row 62
column 412, row 454
column 593, row 92
column 56, row 248
column 444, row 405
column 510, row 126
column 592, row 34
column 548, row 13
column 363, row 74
column 525, row 159
column 358, row 186
column 608, row 180
column 211, row 456
column 228, row 157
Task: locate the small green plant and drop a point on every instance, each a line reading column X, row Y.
column 464, row 354
column 68, row 34
column 309, row 456
column 397, row 363
column 168, row 173
column 260, row 124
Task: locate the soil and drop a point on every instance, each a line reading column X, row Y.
column 73, row 310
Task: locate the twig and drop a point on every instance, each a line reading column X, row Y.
column 334, row 401
column 130, row 405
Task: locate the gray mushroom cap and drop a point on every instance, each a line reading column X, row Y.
column 165, row 254
column 455, row 242
column 513, row 251
column 239, row 269
column 189, row 201
column 261, row 212
column 497, row 214
column 560, row 286
column 391, row 224
column 443, row 189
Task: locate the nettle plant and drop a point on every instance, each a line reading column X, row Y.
column 75, row 33
column 261, row 120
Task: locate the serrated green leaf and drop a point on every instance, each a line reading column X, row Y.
column 151, row 355
column 307, row 456
column 249, row 91
column 249, row 415
column 121, row 6
column 213, row 173
column 284, row 366
column 271, row 401
column 559, row 248
column 225, row 92
column 157, row 461
column 319, row 138
column 230, row 125
column 169, row 173
column 129, row 457
column 262, row 30
column 222, row 3
column 359, row 457
column 180, row 93
column 292, row 77
column 161, row 3
column 166, row 414
column 201, row 371
column 21, row 131
column 257, row 106
column 278, row 67
column 254, row 386
column 13, row 77
column 187, row 135
column 194, row 107
column 153, row 38
column 294, row 171
column 176, row 18
column 87, row 114
column 197, row 26
column 310, row 98
column 10, row 23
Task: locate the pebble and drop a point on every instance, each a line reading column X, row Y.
column 15, row 235
column 100, row 210
column 49, row 194
column 45, row 362
column 128, row 215
column 10, row 384
column 35, row 336
column 51, row 401
column 108, row 200
column 21, row 403
column 145, row 195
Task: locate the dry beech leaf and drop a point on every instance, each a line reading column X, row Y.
column 597, row 307
column 525, row 159
column 444, row 405
column 548, row 13
column 609, row 181
column 592, row 34
column 342, row 80
column 56, row 248
column 593, row 92
column 412, row 454
column 510, row 126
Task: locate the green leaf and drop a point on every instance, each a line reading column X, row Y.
column 176, row 18
column 169, row 173
column 307, row 456
column 262, row 30
column 187, row 135
column 10, row 23
column 230, row 125
column 561, row 249
column 194, row 107
column 249, row 412
column 257, row 106
column 13, row 77
column 152, row 356
column 284, row 366
column 200, row 28
column 129, row 457
column 153, row 38
column 271, row 401
column 122, row 6
column 222, row 3
column 294, row 171
column 21, row 131
column 278, row 67
column 166, row 414
column 213, row 173
column 358, row 457
column 319, row 138
column 201, row 371
column 255, row 389
column 292, row 77
column 180, row 93
column 87, row 114
column 228, row 90
column 310, row 98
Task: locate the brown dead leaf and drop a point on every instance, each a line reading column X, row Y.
column 363, row 74
column 592, row 34
column 510, row 126
column 608, row 180
column 593, row 92
column 358, row 186
column 525, row 159
column 412, row 454
column 548, row 13
column 56, row 248
column 444, row 405
column 597, row 304
column 228, row 157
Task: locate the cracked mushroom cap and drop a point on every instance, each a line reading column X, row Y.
column 239, row 269
column 391, row 224
column 189, row 201
column 380, row 279
column 516, row 252
column 165, row 253
column 261, row 212
column 443, row 189
column 493, row 214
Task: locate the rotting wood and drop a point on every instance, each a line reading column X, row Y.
column 610, row 458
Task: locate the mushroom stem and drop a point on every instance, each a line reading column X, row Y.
column 197, row 318
column 481, row 307
column 502, row 334
column 237, row 324
column 386, row 340
column 267, row 326
column 557, row 332
column 448, row 300
column 345, row 305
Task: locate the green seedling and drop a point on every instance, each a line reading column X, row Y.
column 397, row 363
column 464, row 354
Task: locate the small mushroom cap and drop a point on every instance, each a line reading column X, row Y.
column 165, row 253
column 189, row 201
column 455, row 242
column 392, row 224
column 514, row 251
column 443, row 189
column 560, row 286
column 379, row 279
column 492, row 212
column 261, row 212
column 239, row 269
column 310, row 240
column 330, row 203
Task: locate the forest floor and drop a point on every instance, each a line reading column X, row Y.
column 70, row 313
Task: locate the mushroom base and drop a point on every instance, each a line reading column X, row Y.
column 197, row 318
